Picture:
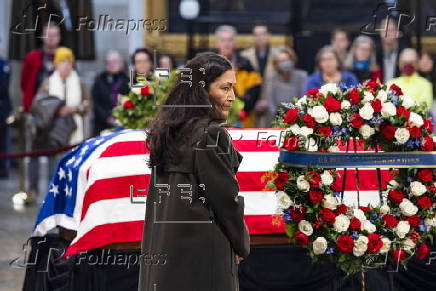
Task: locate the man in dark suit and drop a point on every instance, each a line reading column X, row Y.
column 5, row 111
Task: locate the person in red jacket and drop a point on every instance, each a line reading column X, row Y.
column 38, row 64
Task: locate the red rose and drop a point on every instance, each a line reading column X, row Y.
column 425, row 175
column 422, row 251
column 315, row 196
column 324, row 131
column 301, row 238
column 428, row 125
column 364, row 208
column 355, row 223
column 291, row 116
column 332, row 104
column 341, row 209
column 281, row 180
column 424, row 202
column 388, row 131
column 354, row 96
column 309, row 120
column 314, row 179
column 402, row 111
column 291, row 143
column 390, row 220
column 328, row 215
column 357, row 121
column 396, row 89
column 345, row 244
column 128, row 104
column 413, row 220
column 297, row 212
column 427, row 144
column 317, row 222
column 432, row 188
column 414, row 132
column 313, row 93
column 396, row 196
column 374, row 243
column 414, row 236
column 146, row 91
column 398, row 255
column 376, row 105
column 372, row 85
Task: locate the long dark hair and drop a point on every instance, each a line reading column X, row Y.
column 174, row 126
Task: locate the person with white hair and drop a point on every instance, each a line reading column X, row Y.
column 412, row 84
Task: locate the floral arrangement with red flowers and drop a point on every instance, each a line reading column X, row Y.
column 357, row 237
column 135, row 110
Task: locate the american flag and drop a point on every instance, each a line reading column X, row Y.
column 97, row 187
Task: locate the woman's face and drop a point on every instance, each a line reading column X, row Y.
column 328, row 63
column 425, row 63
column 363, row 51
column 223, row 90
column 142, row 63
column 64, row 68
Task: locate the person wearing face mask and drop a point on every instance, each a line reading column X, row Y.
column 413, row 85
column 361, row 60
column 284, row 84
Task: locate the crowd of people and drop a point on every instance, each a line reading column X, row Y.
column 266, row 76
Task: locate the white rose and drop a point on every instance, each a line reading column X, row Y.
column 408, row 208
column 305, row 227
column 295, row 129
column 320, row 114
column 393, row 184
column 301, row 102
column 360, row 246
column 136, row 90
column 319, row 245
column 382, row 95
column 366, row 112
column 368, row 226
column 367, row 97
column 335, row 118
column 359, row 214
column 407, row 101
column 329, row 87
column 341, row 223
column 330, row 202
column 345, row 104
column 386, row 245
column 416, row 120
column 333, row 149
column 384, row 209
column 417, row 188
column 430, row 221
column 366, row 131
column 402, row 228
column 311, row 145
column 305, row 131
column 326, row 178
column 388, row 109
column 408, row 244
column 283, row 200
column 402, row 135
column 302, row 184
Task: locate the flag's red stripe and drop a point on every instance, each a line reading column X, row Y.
column 124, row 148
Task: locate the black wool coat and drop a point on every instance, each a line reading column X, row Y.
column 194, row 218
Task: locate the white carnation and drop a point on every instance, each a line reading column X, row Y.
column 402, row 135
column 305, row 131
column 402, row 228
column 366, row 111
column 302, row 184
column 386, row 245
column 341, row 223
column 416, row 120
column 366, row 131
column 335, row 118
column 360, row 246
column 359, row 214
column 311, row 145
column 408, row 208
column 333, row 149
column 319, row 245
column 393, row 184
column 388, row 109
column 430, row 221
column 136, row 90
column 407, row 101
column 320, row 114
column 368, row 226
column 329, row 87
column 384, row 209
column 408, row 244
column 382, row 95
column 345, row 104
column 283, row 200
column 417, row 188
column 326, row 178
column 305, row 227
column 330, row 202
column 367, row 97
column 295, row 129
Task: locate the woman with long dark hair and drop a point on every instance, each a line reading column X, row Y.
column 194, row 232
